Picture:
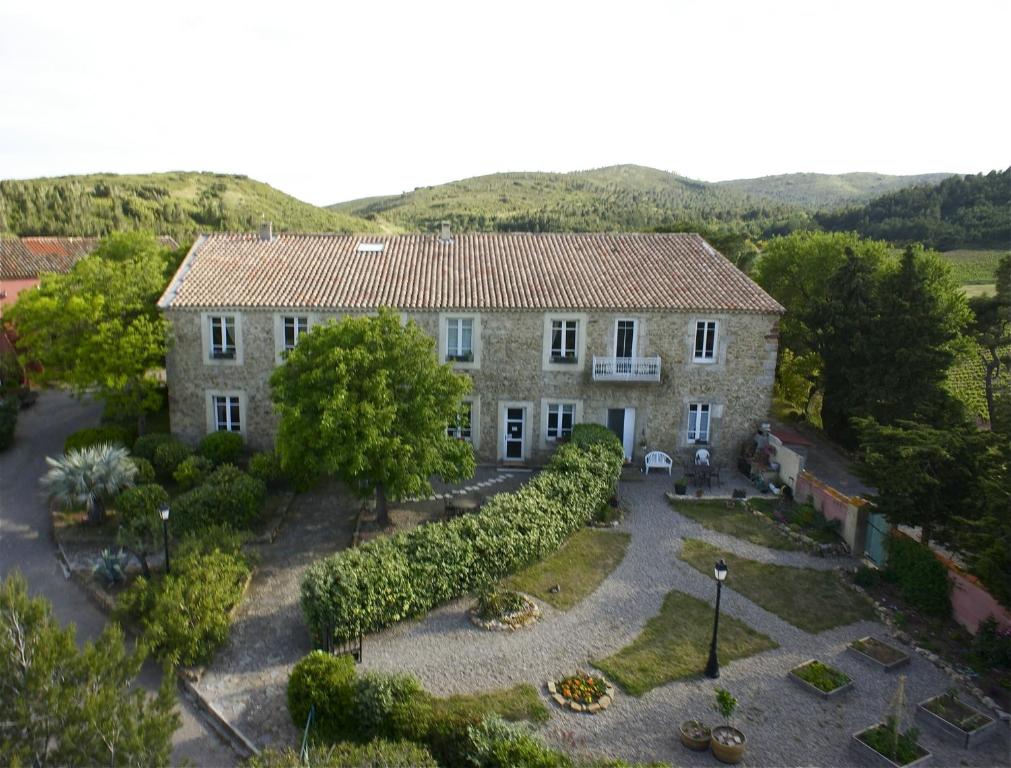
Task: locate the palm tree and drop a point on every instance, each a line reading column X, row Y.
column 89, row 477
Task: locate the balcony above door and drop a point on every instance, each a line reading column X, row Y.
column 626, row 368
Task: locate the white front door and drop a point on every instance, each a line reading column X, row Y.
column 515, row 419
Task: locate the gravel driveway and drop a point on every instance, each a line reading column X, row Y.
column 785, row 726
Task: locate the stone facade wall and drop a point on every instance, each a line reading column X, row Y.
column 512, row 366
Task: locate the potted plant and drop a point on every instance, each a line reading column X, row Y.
column 694, row 734
column 726, row 742
column 680, row 487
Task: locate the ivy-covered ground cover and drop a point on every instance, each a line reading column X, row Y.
column 390, row 579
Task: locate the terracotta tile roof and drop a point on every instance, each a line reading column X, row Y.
column 29, row 257
column 474, row 271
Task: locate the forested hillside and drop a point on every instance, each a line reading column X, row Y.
column 960, row 212
column 823, row 190
column 623, row 197
column 177, row 204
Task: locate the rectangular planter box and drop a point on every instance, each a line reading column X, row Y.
column 887, row 667
column 870, row 756
column 814, row 689
column 950, row 731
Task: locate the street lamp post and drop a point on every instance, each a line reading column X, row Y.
column 713, row 665
column 163, row 510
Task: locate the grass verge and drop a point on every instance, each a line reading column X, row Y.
column 521, row 702
column 675, row 644
column 578, row 567
column 810, row 600
column 734, row 520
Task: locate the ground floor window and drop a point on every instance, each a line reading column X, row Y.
column 698, row 423
column 560, row 419
column 461, row 427
column 227, row 413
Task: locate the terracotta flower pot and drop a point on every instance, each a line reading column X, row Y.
column 694, row 735
column 727, row 744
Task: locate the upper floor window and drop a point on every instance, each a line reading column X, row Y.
column 705, row 341
column 698, row 423
column 294, row 327
column 624, row 339
column 563, row 341
column 461, row 427
column 460, row 339
column 227, row 413
column 560, row 418
column 222, row 337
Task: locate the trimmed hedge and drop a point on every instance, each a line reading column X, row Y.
column 222, row 448
column 266, row 466
column 192, row 471
column 140, row 501
column 145, row 471
column 89, row 436
column 9, row 408
column 169, row 455
column 145, row 445
column 327, row 683
column 390, row 579
column 227, row 497
column 921, row 577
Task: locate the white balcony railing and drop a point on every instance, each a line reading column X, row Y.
column 626, row 369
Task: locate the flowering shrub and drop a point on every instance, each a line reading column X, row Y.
column 392, row 578
column 582, row 687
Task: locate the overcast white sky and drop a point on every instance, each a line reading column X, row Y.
column 330, row 101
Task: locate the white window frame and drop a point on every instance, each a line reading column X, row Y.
column 299, row 325
column 579, row 349
column 475, row 340
column 559, row 411
column 212, row 415
column 280, row 319
column 207, row 320
column 635, row 334
column 455, row 327
column 693, row 430
column 708, row 326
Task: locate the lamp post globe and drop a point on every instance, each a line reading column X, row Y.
column 713, row 665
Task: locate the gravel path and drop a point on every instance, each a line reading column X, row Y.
column 785, row 725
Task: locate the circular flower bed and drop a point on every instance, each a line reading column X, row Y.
column 501, row 610
column 582, row 692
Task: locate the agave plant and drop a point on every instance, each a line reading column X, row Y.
column 89, row 477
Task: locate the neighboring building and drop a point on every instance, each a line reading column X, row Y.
column 23, row 260
column 657, row 336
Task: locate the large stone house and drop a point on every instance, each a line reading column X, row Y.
column 657, row 336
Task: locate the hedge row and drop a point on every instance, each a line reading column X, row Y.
column 391, row 579
column 920, row 576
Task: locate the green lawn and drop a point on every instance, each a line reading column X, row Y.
column 675, row 644
column 521, row 702
column 735, row 520
column 810, row 600
column 578, row 567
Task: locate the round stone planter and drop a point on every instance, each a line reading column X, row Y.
column 575, row 706
column 727, row 744
column 694, row 735
column 525, row 617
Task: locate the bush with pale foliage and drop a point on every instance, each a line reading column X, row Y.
column 89, row 478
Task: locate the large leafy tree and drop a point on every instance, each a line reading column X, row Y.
column 365, row 400
column 64, row 706
column 98, row 326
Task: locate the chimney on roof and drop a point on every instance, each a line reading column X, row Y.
column 266, row 230
column 445, row 233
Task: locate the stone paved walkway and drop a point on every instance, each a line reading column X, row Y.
column 785, row 726
column 248, row 678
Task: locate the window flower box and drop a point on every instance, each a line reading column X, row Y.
column 223, row 354
column 955, row 721
column 821, row 679
column 885, row 656
column 564, row 359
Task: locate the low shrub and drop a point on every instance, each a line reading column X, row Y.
column 391, row 578
column 185, row 614
column 145, row 470
column 140, row 500
column 9, row 408
column 867, row 577
column 495, row 743
column 327, row 683
column 266, row 467
column 375, row 754
column 85, row 438
column 391, row 706
column 222, row 448
column 992, row 645
column 921, row 577
column 169, row 455
column 222, row 538
column 497, row 603
column 145, row 445
column 227, row 497
column 192, row 471
column 140, row 526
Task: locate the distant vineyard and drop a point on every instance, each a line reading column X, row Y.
column 965, row 381
column 973, row 267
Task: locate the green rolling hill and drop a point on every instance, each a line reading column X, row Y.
column 824, row 190
column 180, row 204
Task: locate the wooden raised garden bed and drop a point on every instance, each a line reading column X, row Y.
column 884, row 655
column 821, row 679
column 868, row 755
column 955, row 721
